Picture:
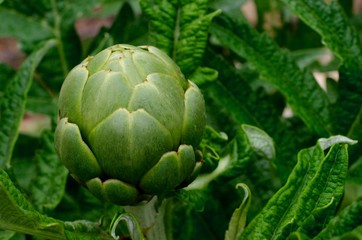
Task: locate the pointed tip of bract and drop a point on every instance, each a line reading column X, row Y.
column 74, row 152
column 194, row 116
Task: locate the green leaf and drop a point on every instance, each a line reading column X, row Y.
column 262, row 143
column 238, row 219
column 13, row 105
column 47, row 194
column 180, row 28
column 25, row 28
column 331, row 22
column 276, row 66
column 310, row 195
column 18, row 215
column 349, row 219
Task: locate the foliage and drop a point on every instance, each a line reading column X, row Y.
column 299, row 173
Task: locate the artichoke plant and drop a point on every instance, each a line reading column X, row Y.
column 129, row 124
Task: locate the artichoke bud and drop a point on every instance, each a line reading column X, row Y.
column 129, row 124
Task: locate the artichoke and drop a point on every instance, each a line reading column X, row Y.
column 129, row 124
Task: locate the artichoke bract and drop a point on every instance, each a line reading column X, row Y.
column 129, row 124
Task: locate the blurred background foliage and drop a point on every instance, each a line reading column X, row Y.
column 84, row 27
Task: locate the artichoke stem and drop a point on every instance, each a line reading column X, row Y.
column 151, row 218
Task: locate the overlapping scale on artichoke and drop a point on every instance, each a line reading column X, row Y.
column 129, row 124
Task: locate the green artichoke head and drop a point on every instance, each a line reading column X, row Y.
column 129, row 124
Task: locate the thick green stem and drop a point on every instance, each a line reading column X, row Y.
column 151, row 218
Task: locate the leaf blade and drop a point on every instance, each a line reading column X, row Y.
column 13, row 105
column 238, row 219
column 180, row 28
column 299, row 199
column 299, row 87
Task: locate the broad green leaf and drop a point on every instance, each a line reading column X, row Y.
column 18, row 215
column 238, row 219
column 262, row 143
column 276, row 66
column 47, row 194
column 316, row 209
column 310, row 195
column 180, row 28
column 349, row 219
column 13, row 105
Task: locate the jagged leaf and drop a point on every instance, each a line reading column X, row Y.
column 310, row 195
column 13, row 105
column 180, row 28
column 276, row 66
column 18, row 215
